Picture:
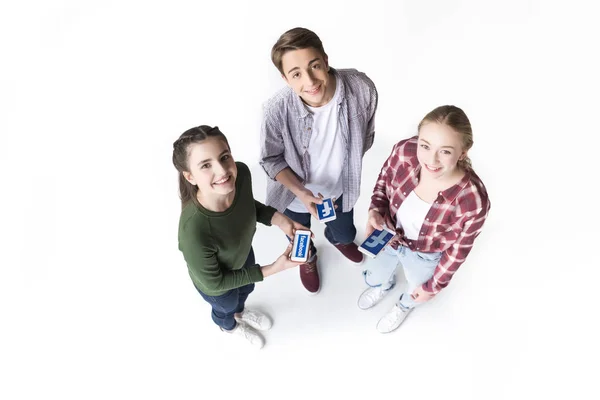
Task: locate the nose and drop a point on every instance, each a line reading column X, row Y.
column 434, row 158
column 220, row 170
column 309, row 79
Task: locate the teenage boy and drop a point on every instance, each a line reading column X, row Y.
column 313, row 137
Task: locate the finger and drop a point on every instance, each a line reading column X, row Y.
column 320, row 195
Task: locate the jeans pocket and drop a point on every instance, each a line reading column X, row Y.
column 429, row 257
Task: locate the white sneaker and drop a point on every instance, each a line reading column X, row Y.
column 392, row 320
column 370, row 297
column 246, row 332
column 256, row 319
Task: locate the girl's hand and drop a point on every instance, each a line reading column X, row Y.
column 282, row 263
column 374, row 221
column 421, row 296
column 288, row 226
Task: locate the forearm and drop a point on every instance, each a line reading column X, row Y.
column 268, row 270
column 288, row 179
column 216, row 280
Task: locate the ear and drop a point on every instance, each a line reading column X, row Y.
column 326, row 59
column 188, row 177
column 462, row 156
column 284, row 78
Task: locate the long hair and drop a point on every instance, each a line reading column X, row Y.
column 187, row 191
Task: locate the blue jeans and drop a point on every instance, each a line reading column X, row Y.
column 339, row 231
column 225, row 306
column 418, row 268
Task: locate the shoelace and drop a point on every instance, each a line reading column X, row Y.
column 246, row 332
column 310, row 267
column 375, row 295
column 250, row 316
column 393, row 316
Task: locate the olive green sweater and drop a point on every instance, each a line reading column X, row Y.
column 215, row 245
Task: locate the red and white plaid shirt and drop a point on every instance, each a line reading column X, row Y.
column 453, row 222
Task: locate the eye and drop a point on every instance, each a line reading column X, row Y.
column 317, row 66
column 204, row 166
column 425, row 146
column 446, row 152
column 225, row 157
column 296, row 75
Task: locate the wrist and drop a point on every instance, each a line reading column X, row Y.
column 277, row 219
column 267, row 270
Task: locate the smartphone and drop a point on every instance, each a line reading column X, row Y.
column 326, row 211
column 301, row 246
column 376, row 241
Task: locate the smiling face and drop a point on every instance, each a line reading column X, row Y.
column 306, row 72
column 211, row 167
column 439, row 150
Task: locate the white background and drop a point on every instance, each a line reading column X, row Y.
column 95, row 300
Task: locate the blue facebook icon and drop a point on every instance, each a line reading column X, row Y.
column 326, row 211
column 376, row 241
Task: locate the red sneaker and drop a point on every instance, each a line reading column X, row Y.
column 350, row 251
column 309, row 275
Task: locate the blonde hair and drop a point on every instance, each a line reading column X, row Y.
column 456, row 119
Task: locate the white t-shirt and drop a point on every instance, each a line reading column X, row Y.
column 411, row 214
column 326, row 151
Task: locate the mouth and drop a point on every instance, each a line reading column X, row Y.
column 313, row 92
column 433, row 169
column 223, row 180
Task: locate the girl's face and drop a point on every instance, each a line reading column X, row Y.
column 439, row 149
column 211, row 167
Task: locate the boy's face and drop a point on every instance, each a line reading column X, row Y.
column 306, row 72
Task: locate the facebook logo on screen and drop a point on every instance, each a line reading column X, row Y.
column 326, row 211
column 301, row 247
column 377, row 240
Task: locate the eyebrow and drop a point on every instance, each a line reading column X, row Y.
column 208, row 159
column 310, row 62
column 450, row 147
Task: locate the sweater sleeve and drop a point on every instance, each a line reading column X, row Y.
column 200, row 255
column 264, row 213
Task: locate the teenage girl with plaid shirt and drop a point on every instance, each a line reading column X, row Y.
column 429, row 194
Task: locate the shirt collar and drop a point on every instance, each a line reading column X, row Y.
column 452, row 192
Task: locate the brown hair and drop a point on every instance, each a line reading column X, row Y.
column 456, row 119
column 187, row 191
column 295, row 39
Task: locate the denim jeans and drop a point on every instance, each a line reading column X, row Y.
column 225, row 306
column 418, row 268
column 340, row 230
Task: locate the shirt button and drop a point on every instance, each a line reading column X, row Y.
column 418, row 248
column 309, row 128
column 404, row 193
column 426, row 219
column 396, row 205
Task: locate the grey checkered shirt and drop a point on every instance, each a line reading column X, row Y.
column 286, row 131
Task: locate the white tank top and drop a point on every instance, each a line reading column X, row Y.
column 411, row 214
